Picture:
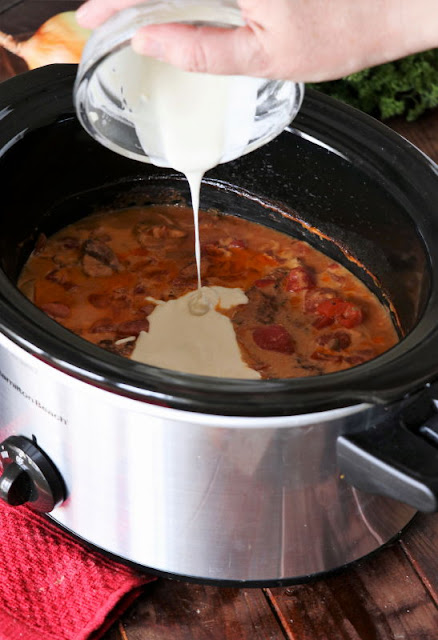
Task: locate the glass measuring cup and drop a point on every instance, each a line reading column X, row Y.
column 257, row 109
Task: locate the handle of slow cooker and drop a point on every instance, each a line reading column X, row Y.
column 395, row 460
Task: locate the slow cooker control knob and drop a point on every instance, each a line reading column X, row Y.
column 15, row 485
column 29, row 476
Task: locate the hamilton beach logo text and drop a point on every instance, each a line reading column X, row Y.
column 36, row 402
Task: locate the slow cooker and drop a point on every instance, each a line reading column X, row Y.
column 228, row 481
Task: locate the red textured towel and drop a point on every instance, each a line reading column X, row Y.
column 54, row 588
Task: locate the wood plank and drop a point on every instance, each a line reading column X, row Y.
column 423, row 133
column 380, row 598
column 183, row 611
column 420, row 543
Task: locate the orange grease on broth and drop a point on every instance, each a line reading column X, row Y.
column 148, row 252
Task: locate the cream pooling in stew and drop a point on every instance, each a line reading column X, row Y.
column 305, row 314
column 204, row 343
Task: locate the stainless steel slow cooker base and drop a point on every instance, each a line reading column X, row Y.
column 277, row 582
column 205, row 496
column 214, row 479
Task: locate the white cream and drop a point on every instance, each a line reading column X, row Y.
column 200, row 344
column 190, row 122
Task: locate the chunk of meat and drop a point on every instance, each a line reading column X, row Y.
column 273, row 337
column 61, row 278
column 214, row 250
column 163, row 231
column 94, row 268
column 145, row 232
column 96, row 256
column 66, row 252
column 70, row 242
column 335, row 341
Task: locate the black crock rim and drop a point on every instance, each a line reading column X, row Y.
column 404, row 369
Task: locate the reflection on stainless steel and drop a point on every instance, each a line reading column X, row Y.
column 367, row 518
column 212, row 497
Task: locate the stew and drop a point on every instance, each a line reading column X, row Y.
column 306, row 314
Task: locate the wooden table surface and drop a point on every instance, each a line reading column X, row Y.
column 392, row 595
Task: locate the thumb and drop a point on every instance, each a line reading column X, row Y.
column 235, row 51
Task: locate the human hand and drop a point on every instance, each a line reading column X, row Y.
column 300, row 40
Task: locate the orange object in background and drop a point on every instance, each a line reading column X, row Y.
column 59, row 40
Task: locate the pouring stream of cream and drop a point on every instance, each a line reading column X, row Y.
column 187, row 121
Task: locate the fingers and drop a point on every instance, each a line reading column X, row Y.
column 204, row 49
column 193, row 48
column 92, row 13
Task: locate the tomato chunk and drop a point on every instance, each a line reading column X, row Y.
column 331, row 308
column 352, row 316
column 314, row 297
column 273, row 337
column 300, row 279
column 345, row 313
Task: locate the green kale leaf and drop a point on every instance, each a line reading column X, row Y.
column 406, row 87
